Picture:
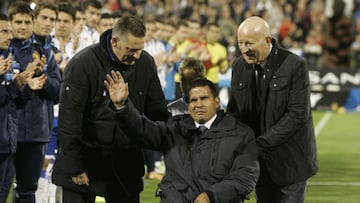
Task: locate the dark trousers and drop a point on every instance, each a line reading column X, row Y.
column 7, row 173
column 29, row 160
column 269, row 192
column 149, row 159
column 70, row 196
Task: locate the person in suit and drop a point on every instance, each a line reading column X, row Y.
column 210, row 156
column 270, row 92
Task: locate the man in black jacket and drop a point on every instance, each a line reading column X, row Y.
column 270, row 92
column 209, row 156
column 95, row 156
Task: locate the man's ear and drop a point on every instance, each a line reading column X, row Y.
column 114, row 41
column 217, row 100
column 268, row 39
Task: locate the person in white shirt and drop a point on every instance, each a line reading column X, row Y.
column 92, row 10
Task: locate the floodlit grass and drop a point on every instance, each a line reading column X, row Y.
column 338, row 152
column 338, row 180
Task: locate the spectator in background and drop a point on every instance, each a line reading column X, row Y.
column 10, row 87
column 176, row 42
column 81, row 39
column 312, row 50
column 8, row 118
column 190, row 68
column 38, row 95
column 209, row 156
column 226, row 23
column 193, row 46
column 355, row 48
column 65, row 43
column 106, row 22
column 92, row 10
column 218, row 61
column 155, row 47
column 338, row 35
column 64, row 39
column 270, row 92
column 168, row 31
column 103, row 161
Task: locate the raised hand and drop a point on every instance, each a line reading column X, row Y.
column 117, row 88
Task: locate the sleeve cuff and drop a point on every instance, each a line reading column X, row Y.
column 112, row 106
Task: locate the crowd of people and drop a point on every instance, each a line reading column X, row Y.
column 62, row 51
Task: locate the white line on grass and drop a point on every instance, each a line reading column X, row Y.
column 322, row 123
column 357, row 184
column 318, row 128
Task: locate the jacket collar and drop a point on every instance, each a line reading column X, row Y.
column 274, row 59
column 21, row 43
column 45, row 41
column 187, row 124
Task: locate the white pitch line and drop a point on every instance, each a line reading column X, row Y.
column 318, row 128
column 357, row 184
column 322, row 123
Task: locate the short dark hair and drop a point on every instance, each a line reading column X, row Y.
column 106, row 16
column 194, row 64
column 116, row 14
column 92, row 3
column 129, row 24
column 3, row 17
column 44, row 5
column 19, row 7
column 66, row 8
column 79, row 9
column 203, row 82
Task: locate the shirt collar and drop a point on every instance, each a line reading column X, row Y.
column 208, row 123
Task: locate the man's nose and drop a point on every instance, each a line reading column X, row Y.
column 199, row 103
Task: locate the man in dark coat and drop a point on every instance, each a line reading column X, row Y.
column 270, row 92
column 95, row 156
column 209, row 156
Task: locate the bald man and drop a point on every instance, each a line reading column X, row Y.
column 270, row 92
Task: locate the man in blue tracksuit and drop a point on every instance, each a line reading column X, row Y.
column 8, row 121
column 37, row 96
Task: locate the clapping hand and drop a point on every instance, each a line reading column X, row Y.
column 36, row 83
column 118, row 89
column 5, row 64
column 25, row 77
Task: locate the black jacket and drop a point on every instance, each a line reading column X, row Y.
column 282, row 120
column 89, row 138
column 221, row 162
